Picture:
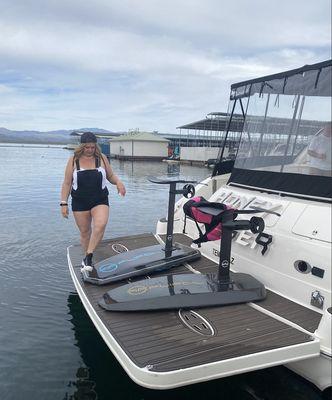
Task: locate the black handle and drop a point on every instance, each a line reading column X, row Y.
column 169, row 181
column 188, row 191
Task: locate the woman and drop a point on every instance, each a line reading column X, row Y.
column 85, row 179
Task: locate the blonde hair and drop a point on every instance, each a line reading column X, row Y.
column 80, row 149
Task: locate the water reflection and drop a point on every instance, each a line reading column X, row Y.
column 142, row 169
column 173, row 169
column 104, row 372
column 84, row 387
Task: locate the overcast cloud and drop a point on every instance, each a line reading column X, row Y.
column 147, row 64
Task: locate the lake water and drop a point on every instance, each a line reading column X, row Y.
column 49, row 349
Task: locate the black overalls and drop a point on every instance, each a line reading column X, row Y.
column 89, row 192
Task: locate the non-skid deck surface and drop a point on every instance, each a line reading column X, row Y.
column 302, row 316
column 162, row 341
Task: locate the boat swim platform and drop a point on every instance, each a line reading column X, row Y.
column 166, row 349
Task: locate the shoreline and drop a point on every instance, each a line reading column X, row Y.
column 33, row 145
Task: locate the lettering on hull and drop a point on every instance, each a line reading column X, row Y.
column 247, row 238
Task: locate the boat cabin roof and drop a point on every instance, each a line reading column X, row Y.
column 309, row 80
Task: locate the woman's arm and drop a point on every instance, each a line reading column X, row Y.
column 112, row 178
column 66, row 186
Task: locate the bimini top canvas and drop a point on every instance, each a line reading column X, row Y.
column 285, row 144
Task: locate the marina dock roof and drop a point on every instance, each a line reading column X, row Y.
column 140, row 136
column 215, row 121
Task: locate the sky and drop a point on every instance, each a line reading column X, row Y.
column 151, row 65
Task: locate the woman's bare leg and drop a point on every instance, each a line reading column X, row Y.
column 83, row 221
column 99, row 221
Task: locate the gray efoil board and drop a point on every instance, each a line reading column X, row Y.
column 141, row 261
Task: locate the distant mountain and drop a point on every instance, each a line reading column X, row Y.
column 49, row 137
column 95, row 130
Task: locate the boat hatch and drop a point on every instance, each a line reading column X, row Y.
column 314, row 223
column 196, row 322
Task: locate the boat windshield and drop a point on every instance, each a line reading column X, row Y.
column 286, row 139
column 274, row 140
